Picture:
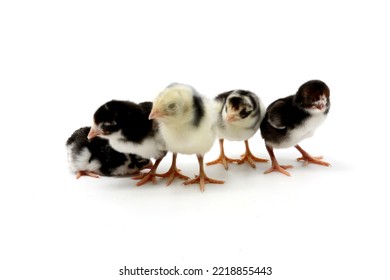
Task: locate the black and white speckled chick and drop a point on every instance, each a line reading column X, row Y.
column 239, row 115
column 96, row 157
column 127, row 127
column 292, row 119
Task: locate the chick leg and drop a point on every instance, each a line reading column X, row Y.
column 310, row 159
column 148, row 166
column 275, row 165
column 86, row 173
column 202, row 178
column 249, row 157
column 150, row 176
column 223, row 159
column 137, row 172
column 173, row 172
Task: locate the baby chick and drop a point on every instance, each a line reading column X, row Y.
column 96, row 157
column 291, row 119
column 187, row 124
column 127, row 127
column 239, row 115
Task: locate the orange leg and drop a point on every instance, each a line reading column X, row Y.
column 150, row 176
column 202, row 178
column 249, row 157
column 222, row 159
column 173, row 172
column 275, row 165
column 310, row 159
column 86, row 173
column 148, row 166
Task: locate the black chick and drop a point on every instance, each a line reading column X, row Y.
column 127, row 127
column 291, row 119
column 96, row 157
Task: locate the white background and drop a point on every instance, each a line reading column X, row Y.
column 60, row 60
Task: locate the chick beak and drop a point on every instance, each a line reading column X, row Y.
column 319, row 106
column 230, row 118
column 93, row 132
column 155, row 114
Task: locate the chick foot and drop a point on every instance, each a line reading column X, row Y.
column 279, row 168
column 275, row 165
column 150, row 176
column 202, row 178
column 86, row 173
column 249, row 157
column 307, row 158
column 173, row 172
column 222, row 159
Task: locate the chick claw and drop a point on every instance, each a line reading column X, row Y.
column 279, row 168
column 222, row 159
column 250, row 159
column 202, row 180
column 171, row 174
column 309, row 159
column 144, row 178
column 150, row 176
column 315, row 160
column 86, row 173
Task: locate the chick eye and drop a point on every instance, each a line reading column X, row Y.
column 172, row 106
column 244, row 114
column 104, row 127
column 108, row 127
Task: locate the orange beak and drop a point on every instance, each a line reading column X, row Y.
column 155, row 114
column 93, row 133
column 230, row 118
